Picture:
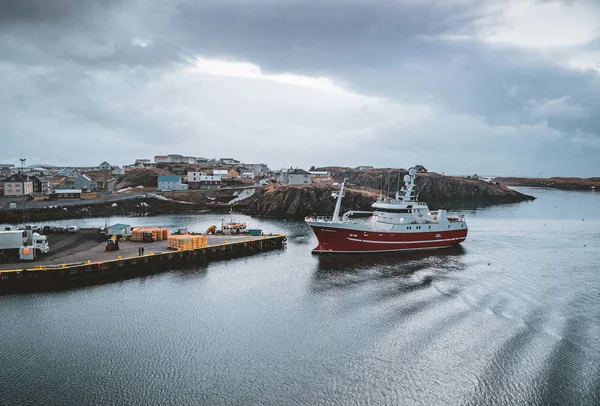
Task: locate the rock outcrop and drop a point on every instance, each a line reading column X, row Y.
column 300, row 201
column 363, row 189
column 431, row 186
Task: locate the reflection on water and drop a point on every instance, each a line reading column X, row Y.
column 509, row 317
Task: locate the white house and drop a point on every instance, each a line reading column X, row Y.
column 161, row 159
column 282, row 175
column 194, row 176
column 105, row 166
column 258, row 169
column 174, row 158
column 201, row 161
column 18, row 185
column 224, row 173
column 299, row 177
column 142, row 162
column 171, row 182
column 117, row 170
column 229, row 161
column 320, row 174
column 188, row 160
column 247, row 175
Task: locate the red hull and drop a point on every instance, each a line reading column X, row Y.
column 332, row 239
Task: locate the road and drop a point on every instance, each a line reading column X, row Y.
column 4, row 201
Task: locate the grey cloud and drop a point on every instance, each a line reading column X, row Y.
column 80, row 67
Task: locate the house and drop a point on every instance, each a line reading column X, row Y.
column 258, row 169
column 247, row 175
column 175, row 159
column 194, row 176
column 161, row 159
column 6, row 170
column 188, row 160
column 320, row 174
column 206, row 182
column 363, row 168
column 84, row 182
column 119, row 229
column 201, row 161
column 17, row 185
column 105, row 166
column 65, row 194
column 142, row 162
column 233, row 173
column 39, row 186
column 229, row 161
column 299, row 177
column 282, row 175
column 223, row 173
column 118, row 171
column 171, row 182
column 69, row 172
column 100, row 181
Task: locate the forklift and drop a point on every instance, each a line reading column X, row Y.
column 112, row 244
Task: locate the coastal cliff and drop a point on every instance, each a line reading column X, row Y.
column 300, row 201
column 431, row 186
column 437, row 190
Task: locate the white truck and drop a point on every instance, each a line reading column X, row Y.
column 12, row 241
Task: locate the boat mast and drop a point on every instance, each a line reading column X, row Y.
column 409, row 185
column 338, row 204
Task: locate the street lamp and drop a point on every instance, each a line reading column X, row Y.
column 23, row 189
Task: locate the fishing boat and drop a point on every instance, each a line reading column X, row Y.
column 399, row 224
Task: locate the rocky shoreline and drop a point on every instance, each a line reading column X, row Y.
column 285, row 201
column 554, row 183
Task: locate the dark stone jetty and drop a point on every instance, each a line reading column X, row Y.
column 95, row 265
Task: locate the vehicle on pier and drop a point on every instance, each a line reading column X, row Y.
column 12, row 241
column 399, row 224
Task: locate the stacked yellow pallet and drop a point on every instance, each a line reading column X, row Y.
column 158, row 233
column 187, row 242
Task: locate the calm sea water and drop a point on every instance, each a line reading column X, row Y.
column 510, row 317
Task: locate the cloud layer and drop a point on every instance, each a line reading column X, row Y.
column 501, row 88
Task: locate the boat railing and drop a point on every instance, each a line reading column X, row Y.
column 318, row 219
column 399, row 201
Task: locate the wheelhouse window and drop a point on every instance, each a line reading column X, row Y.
column 394, row 210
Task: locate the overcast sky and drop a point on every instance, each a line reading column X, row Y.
column 460, row 86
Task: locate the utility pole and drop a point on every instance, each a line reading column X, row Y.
column 23, row 189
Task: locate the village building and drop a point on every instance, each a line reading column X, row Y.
column 321, row 175
column 119, row 229
column 194, row 176
column 206, row 182
column 171, row 183
column 223, row 173
column 258, row 169
column 18, row 185
column 65, row 194
column 229, row 161
column 299, row 177
column 161, row 159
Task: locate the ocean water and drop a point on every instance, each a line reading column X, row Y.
column 510, row 317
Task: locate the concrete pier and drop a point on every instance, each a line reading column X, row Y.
column 96, row 265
